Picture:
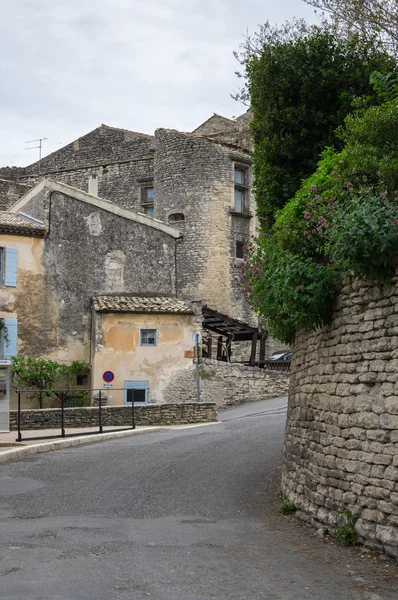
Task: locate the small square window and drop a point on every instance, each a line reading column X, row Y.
column 240, row 253
column 81, row 379
column 148, row 337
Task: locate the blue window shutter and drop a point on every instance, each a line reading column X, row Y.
column 11, row 343
column 10, row 278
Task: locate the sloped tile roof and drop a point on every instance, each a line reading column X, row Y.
column 138, row 304
column 12, row 223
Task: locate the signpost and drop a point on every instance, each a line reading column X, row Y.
column 5, row 376
column 197, row 338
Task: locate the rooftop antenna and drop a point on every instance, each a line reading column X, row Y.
column 39, row 147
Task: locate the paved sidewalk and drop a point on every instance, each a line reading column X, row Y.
column 10, row 449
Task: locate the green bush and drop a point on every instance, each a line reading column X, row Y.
column 343, row 218
column 289, row 290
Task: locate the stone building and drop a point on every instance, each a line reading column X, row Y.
column 123, row 215
column 199, row 183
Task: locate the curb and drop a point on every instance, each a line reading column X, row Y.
column 76, row 441
column 24, row 451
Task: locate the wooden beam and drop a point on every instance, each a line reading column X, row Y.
column 219, row 348
column 254, row 348
column 263, row 342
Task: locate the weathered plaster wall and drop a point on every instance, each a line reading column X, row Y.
column 116, row 416
column 195, row 177
column 10, row 192
column 117, row 348
column 33, row 300
column 90, row 251
column 341, row 445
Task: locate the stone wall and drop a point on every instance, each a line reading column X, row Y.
column 194, row 177
column 117, row 158
column 88, row 251
column 341, row 445
column 164, row 414
column 229, row 384
column 10, row 192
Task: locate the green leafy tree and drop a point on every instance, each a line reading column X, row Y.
column 343, row 218
column 43, row 376
column 302, row 84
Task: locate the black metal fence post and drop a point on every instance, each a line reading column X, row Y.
column 62, row 415
column 19, row 438
column 132, row 410
column 100, row 412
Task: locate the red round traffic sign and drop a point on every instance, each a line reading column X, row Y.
column 108, row 376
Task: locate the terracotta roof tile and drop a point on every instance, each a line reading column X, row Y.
column 12, row 223
column 139, row 304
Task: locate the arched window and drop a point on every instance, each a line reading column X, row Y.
column 176, row 217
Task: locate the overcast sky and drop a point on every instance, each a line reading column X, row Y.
column 66, row 66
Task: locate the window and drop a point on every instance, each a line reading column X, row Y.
column 240, row 181
column 1, row 265
column 148, row 337
column 147, row 199
column 239, row 252
column 136, row 391
column 81, row 379
column 175, row 217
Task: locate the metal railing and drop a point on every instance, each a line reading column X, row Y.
column 65, row 397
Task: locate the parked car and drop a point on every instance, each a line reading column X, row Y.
column 282, row 356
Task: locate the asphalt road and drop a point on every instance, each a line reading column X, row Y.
column 182, row 515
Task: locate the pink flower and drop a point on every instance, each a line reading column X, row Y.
column 396, row 222
column 383, row 196
column 306, row 234
column 299, row 288
column 307, row 215
column 364, row 178
column 313, row 188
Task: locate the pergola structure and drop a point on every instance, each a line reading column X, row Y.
column 232, row 330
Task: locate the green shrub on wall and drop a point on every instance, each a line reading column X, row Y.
column 343, row 218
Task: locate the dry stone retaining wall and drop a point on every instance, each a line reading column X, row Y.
column 341, row 444
column 163, row 414
column 229, row 384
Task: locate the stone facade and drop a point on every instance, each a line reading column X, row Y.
column 341, row 445
column 91, row 247
column 116, row 416
column 229, row 384
column 194, row 178
column 10, row 192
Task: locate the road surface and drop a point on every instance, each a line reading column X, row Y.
column 182, row 515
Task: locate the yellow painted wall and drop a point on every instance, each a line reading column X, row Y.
column 118, row 350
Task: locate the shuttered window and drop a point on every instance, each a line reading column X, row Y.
column 10, row 337
column 11, row 267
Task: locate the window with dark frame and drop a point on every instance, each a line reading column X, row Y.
column 241, row 188
column 138, row 395
column 81, row 379
column 148, row 337
column 239, row 251
column 148, row 199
